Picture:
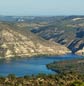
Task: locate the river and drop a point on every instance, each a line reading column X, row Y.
column 29, row 66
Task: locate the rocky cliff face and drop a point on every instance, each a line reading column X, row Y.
column 72, row 38
column 68, row 32
column 16, row 42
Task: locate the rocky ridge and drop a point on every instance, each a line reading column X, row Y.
column 16, row 42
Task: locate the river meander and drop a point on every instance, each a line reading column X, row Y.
column 29, row 66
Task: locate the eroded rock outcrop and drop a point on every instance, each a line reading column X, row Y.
column 80, row 52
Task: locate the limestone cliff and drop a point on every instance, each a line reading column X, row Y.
column 16, row 42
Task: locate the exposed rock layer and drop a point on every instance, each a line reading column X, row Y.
column 80, row 52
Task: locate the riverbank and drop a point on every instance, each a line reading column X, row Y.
column 76, row 65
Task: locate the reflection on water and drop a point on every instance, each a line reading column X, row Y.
column 23, row 66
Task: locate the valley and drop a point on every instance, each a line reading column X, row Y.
column 41, row 51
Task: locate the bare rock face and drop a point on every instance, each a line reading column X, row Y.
column 80, row 52
column 16, row 42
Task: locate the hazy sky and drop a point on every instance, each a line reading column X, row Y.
column 41, row 7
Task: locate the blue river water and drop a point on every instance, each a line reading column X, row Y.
column 29, row 66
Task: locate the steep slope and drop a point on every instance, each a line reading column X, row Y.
column 68, row 32
column 16, row 42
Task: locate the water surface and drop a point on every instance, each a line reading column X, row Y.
column 29, row 66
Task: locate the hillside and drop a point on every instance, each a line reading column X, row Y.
column 63, row 79
column 17, row 42
column 68, row 31
column 75, row 65
column 64, row 30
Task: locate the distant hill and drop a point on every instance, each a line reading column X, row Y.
column 19, row 42
column 36, row 19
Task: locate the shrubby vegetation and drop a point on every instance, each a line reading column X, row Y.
column 63, row 79
column 76, row 65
